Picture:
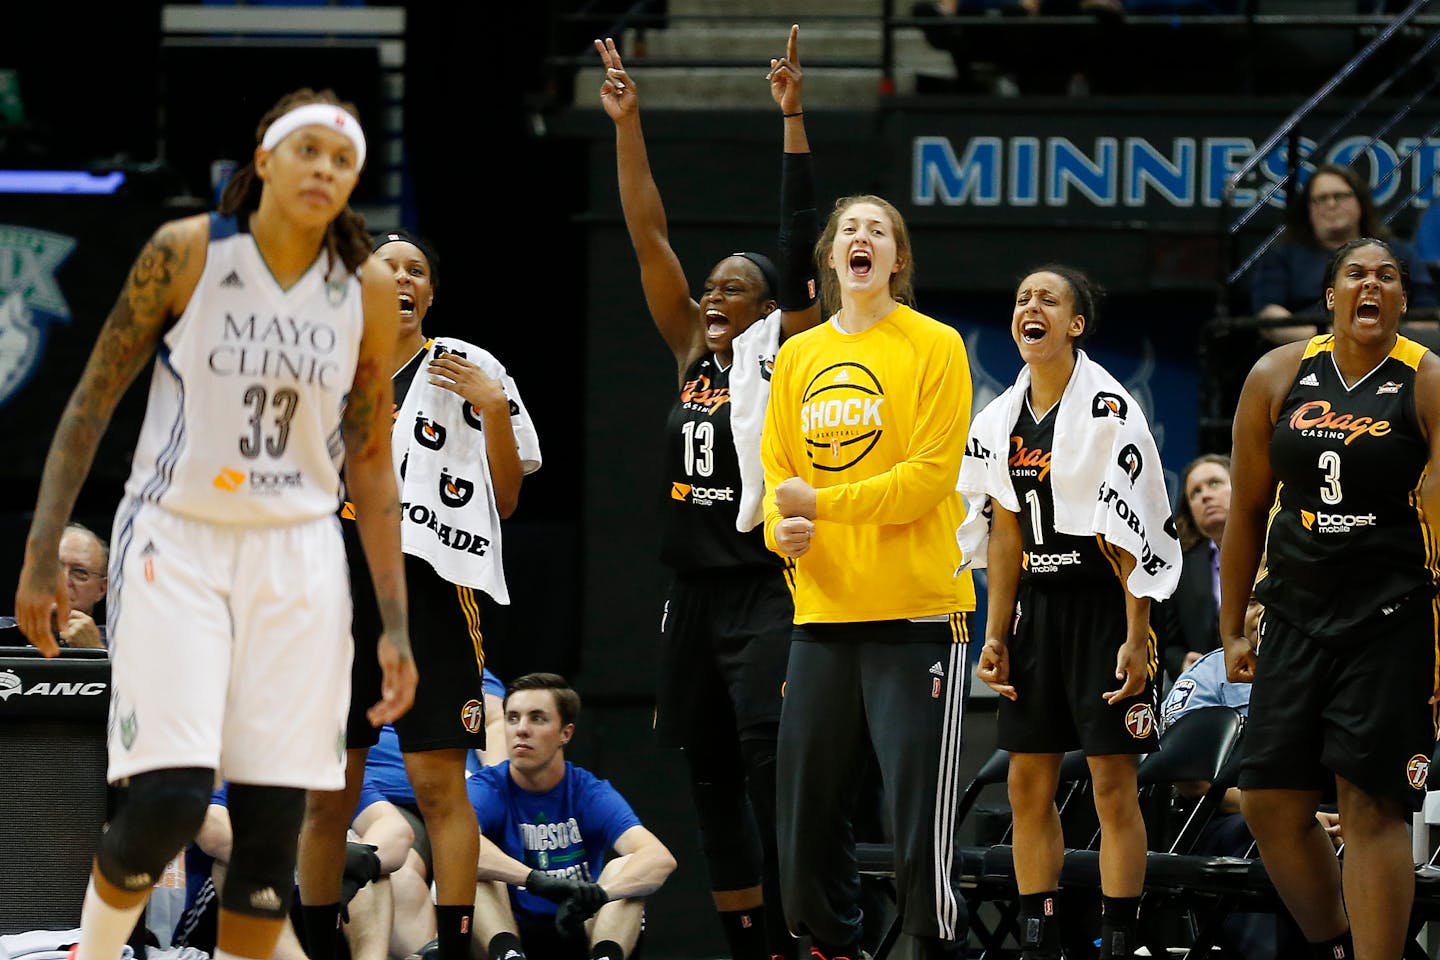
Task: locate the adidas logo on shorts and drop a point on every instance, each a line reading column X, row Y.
column 232, row 279
column 936, row 669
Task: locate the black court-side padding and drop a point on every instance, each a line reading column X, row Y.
column 53, row 794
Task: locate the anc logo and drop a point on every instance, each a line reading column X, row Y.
column 1140, row 721
column 228, row 480
column 1307, row 519
column 1417, row 771
column 455, row 491
column 679, row 491
column 1131, row 462
column 9, row 685
column 841, row 416
column 1108, row 405
column 428, row 433
column 472, row 716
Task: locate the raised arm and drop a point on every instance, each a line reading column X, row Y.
column 156, row 291
column 370, row 479
column 799, row 227
column 1252, row 492
column 667, row 294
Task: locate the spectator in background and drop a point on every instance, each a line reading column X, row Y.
column 85, row 558
column 1187, row 624
column 552, row 826
column 1333, row 208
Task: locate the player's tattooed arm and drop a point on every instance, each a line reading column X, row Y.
column 157, row 288
column 125, row 345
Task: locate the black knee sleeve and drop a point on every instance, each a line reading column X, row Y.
column 759, row 759
column 158, row 814
column 260, row 881
column 729, row 836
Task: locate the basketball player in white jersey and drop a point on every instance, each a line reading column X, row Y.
column 272, row 330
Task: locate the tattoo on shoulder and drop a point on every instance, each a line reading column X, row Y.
column 155, row 270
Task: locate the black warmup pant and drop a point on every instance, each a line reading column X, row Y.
column 903, row 684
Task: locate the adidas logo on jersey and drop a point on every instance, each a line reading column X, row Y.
column 1309, row 380
column 936, row 669
column 232, row 279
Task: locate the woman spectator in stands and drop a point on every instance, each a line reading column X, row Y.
column 1334, row 466
column 1187, row 623
column 725, row 630
column 1334, row 208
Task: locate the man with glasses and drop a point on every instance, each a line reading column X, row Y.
column 84, row 557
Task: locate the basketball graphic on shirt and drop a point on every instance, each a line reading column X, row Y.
column 842, row 416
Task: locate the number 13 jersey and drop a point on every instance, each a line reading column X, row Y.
column 242, row 424
column 1347, row 536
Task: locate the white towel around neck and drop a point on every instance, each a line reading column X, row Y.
column 1108, row 480
column 450, row 518
column 752, row 363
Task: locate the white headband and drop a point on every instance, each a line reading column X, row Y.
column 317, row 114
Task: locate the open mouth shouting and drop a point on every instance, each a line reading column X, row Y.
column 407, row 305
column 1032, row 330
column 1367, row 311
column 860, row 264
column 716, row 324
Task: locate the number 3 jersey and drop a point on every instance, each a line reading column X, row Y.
column 242, row 424
column 1347, row 536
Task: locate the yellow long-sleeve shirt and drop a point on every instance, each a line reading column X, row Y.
column 876, row 423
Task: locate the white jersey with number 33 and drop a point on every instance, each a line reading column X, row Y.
column 242, row 425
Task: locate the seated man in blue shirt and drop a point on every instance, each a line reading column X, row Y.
column 547, row 885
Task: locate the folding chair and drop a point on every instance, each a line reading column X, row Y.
column 985, row 873
column 1194, row 750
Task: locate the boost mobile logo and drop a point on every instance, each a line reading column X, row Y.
column 1335, row 522
column 30, row 299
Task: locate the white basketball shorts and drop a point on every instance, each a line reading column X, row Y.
column 230, row 648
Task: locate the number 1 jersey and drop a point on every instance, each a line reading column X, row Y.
column 242, row 424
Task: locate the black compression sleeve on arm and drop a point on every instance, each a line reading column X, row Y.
column 798, row 232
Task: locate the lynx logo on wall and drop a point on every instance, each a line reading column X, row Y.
column 30, row 300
